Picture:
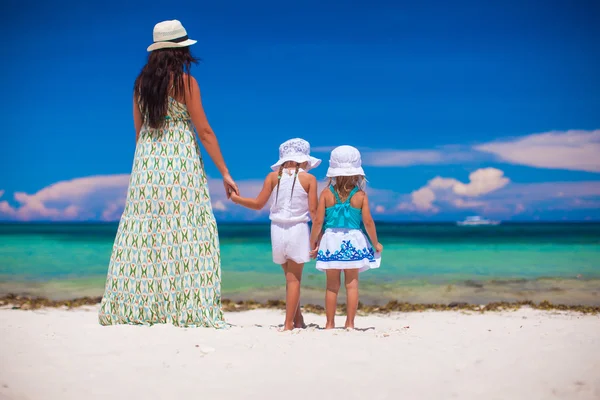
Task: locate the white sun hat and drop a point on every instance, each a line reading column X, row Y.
column 297, row 150
column 169, row 34
column 345, row 161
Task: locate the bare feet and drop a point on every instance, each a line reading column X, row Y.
column 299, row 320
column 300, row 324
column 349, row 325
column 330, row 325
column 287, row 327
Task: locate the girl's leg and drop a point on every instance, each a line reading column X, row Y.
column 351, row 281
column 284, row 267
column 299, row 318
column 293, row 276
column 333, row 287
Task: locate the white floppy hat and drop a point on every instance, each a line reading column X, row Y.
column 297, row 150
column 169, row 34
column 345, row 161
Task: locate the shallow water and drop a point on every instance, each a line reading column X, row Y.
column 421, row 262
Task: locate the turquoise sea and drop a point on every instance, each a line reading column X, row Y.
column 559, row 262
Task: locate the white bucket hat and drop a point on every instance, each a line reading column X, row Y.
column 169, row 34
column 345, row 161
column 297, row 150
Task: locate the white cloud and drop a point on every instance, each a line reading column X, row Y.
column 450, row 190
column 488, row 191
column 219, row 206
column 576, row 150
column 449, row 154
column 113, row 210
column 482, row 181
column 423, row 199
column 74, row 199
column 402, row 158
column 521, row 197
column 461, row 203
column 493, row 196
column 98, row 197
column 534, row 199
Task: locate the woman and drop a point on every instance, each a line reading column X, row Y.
column 165, row 264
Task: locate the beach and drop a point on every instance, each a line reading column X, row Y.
column 503, row 312
column 59, row 353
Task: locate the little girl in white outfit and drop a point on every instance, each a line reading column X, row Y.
column 342, row 213
column 293, row 195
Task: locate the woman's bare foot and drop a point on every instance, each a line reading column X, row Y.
column 330, row 325
column 349, row 325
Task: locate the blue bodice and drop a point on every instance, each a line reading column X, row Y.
column 342, row 214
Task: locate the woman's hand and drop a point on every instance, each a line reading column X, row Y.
column 230, row 186
column 378, row 247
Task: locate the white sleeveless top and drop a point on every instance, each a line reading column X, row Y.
column 289, row 207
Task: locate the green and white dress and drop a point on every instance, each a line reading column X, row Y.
column 165, row 265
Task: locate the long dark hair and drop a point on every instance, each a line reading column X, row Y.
column 152, row 86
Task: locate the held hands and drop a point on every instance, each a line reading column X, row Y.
column 315, row 250
column 234, row 197
column 230, row 186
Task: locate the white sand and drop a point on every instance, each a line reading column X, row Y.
column 527, row 354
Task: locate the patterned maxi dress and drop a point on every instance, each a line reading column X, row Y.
column 165, row 265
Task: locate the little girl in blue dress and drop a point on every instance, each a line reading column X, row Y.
column 337, row 236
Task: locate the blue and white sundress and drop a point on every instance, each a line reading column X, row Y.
column 344, row 244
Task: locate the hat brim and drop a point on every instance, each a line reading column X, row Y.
column 171, row 45
column 313, row 162
column 333, row 172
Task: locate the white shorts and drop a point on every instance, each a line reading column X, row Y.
column 291, row 241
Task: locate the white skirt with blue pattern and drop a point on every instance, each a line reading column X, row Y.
column 346, row 249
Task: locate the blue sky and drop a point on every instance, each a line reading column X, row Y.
column 428, row 89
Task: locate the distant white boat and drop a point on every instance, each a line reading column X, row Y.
column 476, row 221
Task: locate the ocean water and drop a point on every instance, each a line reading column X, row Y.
column 558, row 262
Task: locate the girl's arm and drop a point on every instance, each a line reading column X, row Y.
column 261, row 199
column 137, row 119
column 370, row 224
column 317, row 224
column 313, row 198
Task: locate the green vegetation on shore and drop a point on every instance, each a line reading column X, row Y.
column 30, row 303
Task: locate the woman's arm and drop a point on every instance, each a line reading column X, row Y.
column 208, row 138
column 369, row 223
column 138, row 120
column 317, row 223
column 261, row 199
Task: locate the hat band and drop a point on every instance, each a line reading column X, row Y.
column 176, row 40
